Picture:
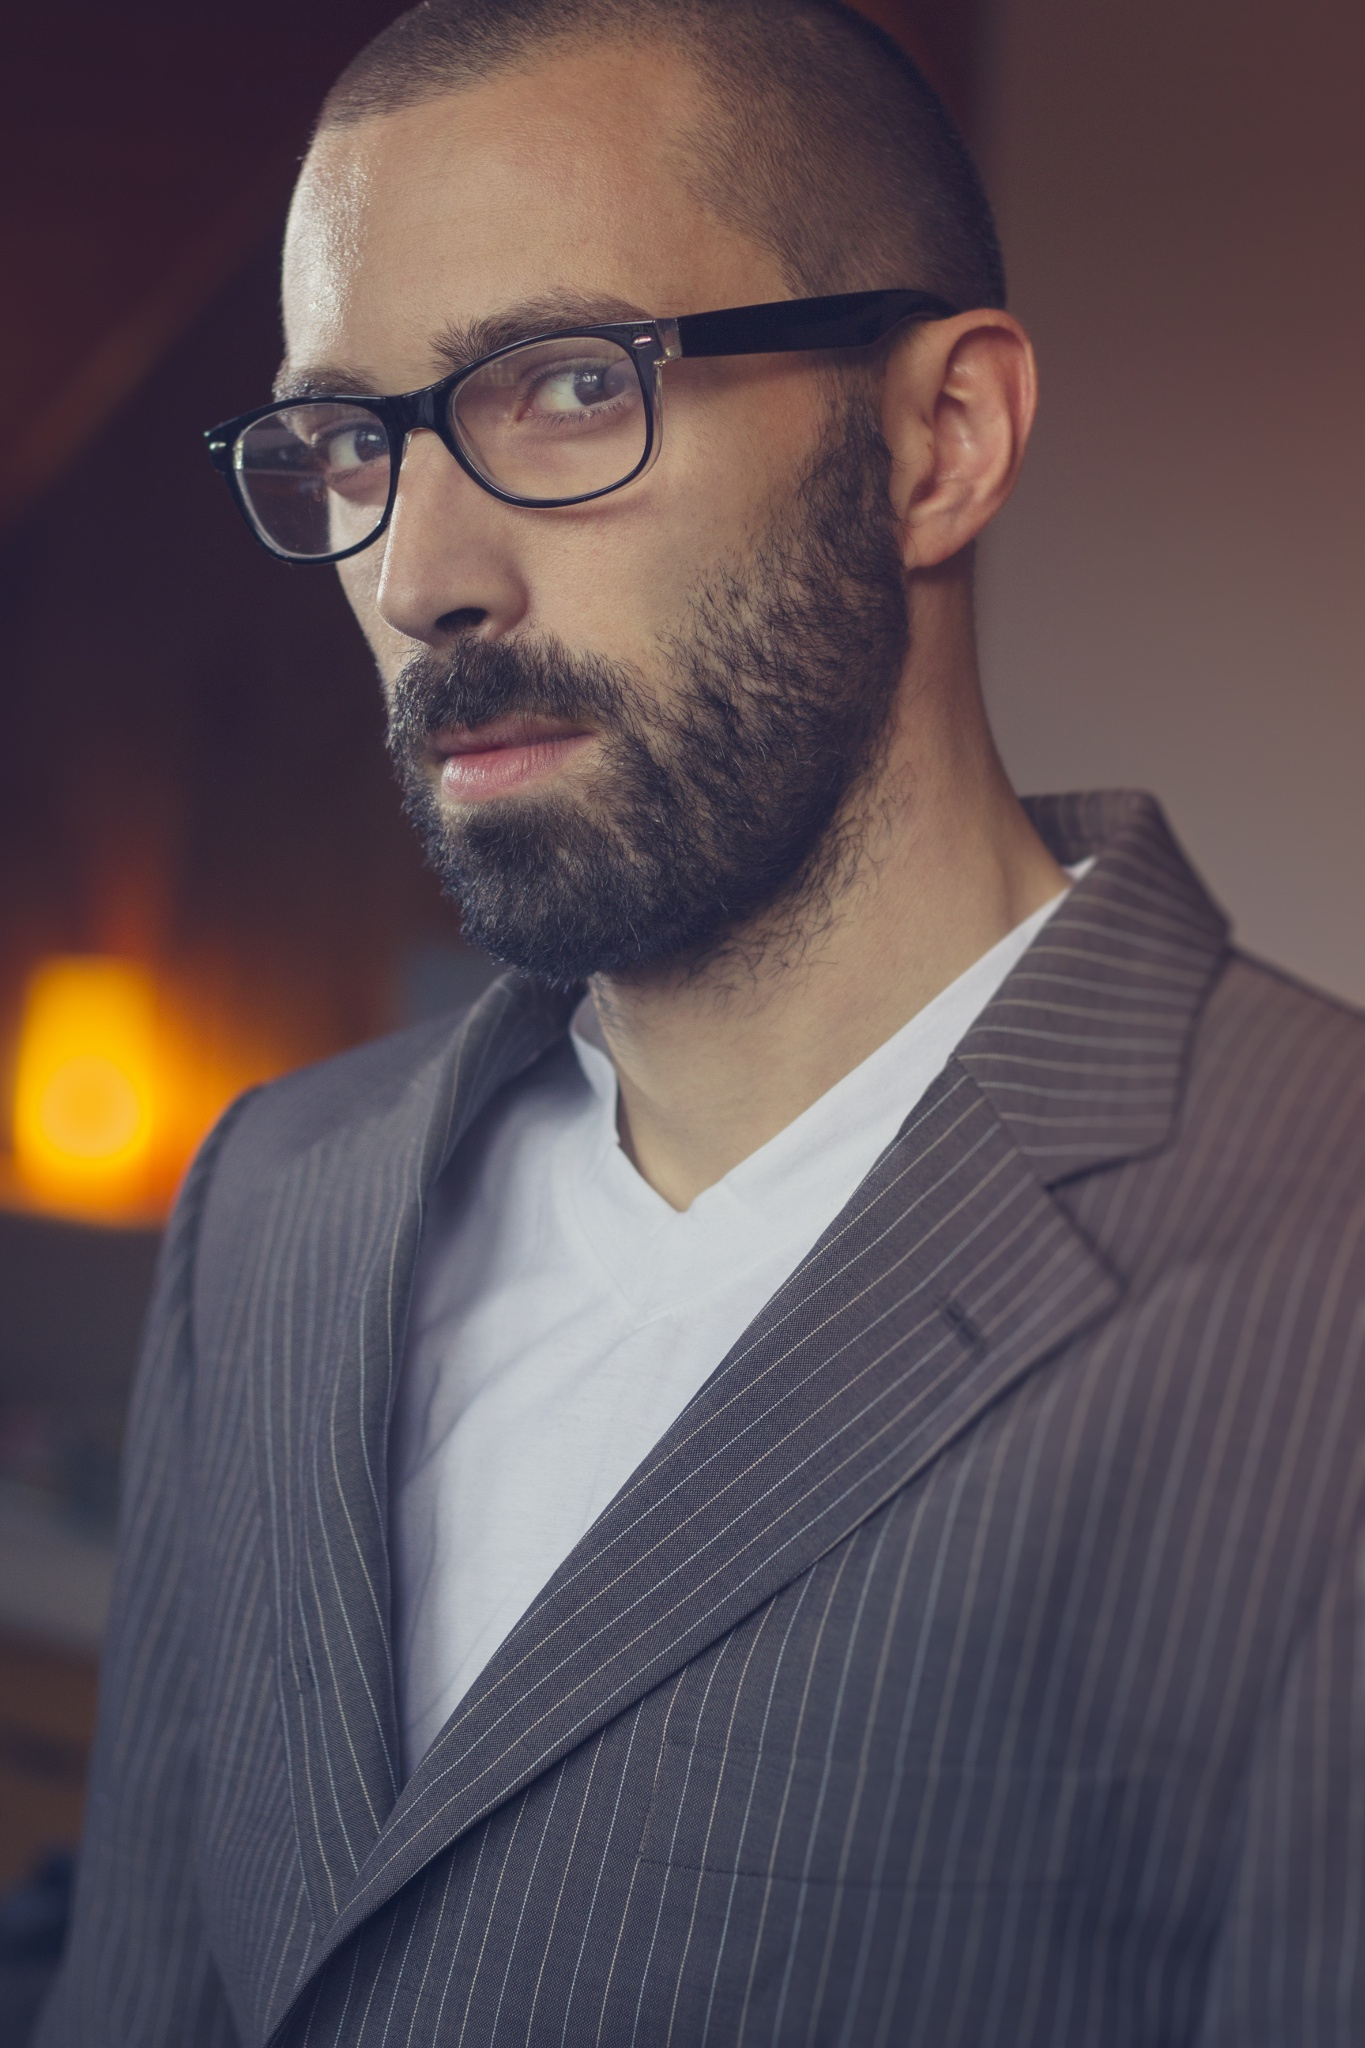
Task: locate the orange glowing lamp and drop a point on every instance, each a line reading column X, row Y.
column 85, row 1093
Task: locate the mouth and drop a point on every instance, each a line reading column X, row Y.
column 483, row 761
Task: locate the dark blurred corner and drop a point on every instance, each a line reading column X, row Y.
column 193, row 795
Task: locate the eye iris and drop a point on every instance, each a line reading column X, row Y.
column 577, row 388
column 355, row 447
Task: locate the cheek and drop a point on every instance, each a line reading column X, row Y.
column 737, row 455
column 621, row 575
column 621, row 581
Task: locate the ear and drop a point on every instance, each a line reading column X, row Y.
column 958, row 401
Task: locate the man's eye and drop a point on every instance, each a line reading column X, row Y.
column 576, row 388
column 354, row 446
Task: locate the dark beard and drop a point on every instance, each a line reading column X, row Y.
column 728, row 800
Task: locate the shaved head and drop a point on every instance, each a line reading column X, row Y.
column 822, row 142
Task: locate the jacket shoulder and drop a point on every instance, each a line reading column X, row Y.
column 1249, row 978
column 1268, row 1147
column 1277, row 1072
column 284, row 1118
column 1295, row 1037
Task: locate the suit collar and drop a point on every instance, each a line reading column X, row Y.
column 1084, row 1051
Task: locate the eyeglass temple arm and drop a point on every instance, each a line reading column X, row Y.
column 851, row 320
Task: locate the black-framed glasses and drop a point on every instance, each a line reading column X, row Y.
column 556, row 419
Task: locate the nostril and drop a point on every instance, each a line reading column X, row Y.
column 467, row 620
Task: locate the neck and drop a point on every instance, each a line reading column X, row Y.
column 712, row 1063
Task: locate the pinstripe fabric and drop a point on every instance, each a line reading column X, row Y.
column 979, row 1659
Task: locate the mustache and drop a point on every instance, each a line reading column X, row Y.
column 480, row 680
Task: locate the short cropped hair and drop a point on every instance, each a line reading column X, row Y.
column 828, row 146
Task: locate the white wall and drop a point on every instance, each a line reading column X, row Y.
column 1176, row 598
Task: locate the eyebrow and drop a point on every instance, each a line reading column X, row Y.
column 464, row 342
column 321, row 380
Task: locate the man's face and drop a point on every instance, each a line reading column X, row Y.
column 627, row 727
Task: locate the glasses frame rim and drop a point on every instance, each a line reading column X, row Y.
column 833, row 321
column 430, row 406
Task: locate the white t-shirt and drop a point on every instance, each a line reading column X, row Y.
column 564, row 1315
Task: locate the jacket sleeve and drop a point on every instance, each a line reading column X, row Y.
column 137, row 1972
column 1289, row 1970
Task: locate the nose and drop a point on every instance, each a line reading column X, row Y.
column 449, row 565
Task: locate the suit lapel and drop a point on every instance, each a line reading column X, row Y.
column 952, row 1273
column 338, row 1243
column 1084, row 1051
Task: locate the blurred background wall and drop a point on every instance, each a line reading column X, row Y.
column 1176, row 596
column 204, row 877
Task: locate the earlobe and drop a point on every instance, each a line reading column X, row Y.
column 958, row 404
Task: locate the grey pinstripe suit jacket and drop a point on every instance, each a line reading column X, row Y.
column 978, row 1660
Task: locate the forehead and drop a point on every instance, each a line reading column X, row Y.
column 568, row 176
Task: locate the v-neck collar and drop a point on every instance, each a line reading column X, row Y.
column 783, row 1194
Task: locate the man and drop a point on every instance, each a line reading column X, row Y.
column 811, row 1493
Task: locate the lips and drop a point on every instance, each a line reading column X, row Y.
column 506, row 754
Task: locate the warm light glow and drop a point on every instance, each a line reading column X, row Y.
column 91, row 1110
column 122, row 1069
column 85, row 1094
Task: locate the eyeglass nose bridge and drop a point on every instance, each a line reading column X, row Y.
column 428, row 410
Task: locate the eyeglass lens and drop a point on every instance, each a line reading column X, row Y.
column 550, row 420
column 314, row 476
column 555, row 419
